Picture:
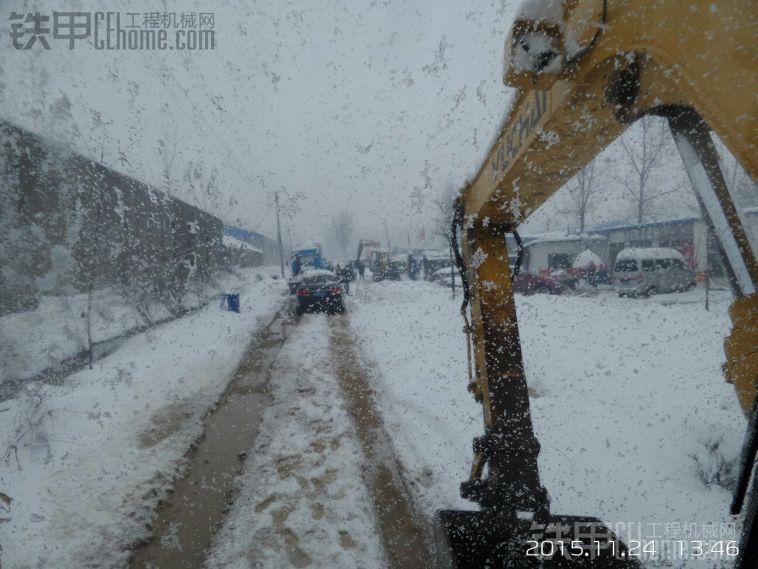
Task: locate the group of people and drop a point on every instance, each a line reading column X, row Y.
column 346, row 274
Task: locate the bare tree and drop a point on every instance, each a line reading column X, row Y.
column 203, row 186
column 583, row 191
column 167, row 150
column 342, row 231
column 290, row 202
column 741, row 185
column 443, row 210
column 647, row 154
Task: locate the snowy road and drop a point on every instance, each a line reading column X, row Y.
column 89, row 460
column 186, row 520
column 321, row 485
column 302, row 500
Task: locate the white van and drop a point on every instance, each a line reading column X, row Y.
column 651, row 270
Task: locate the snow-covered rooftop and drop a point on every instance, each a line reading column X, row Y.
column 439, row 254
column 235, row 243
column 307, row 245
column 310, row 272
column 553, row 237
column 649, row 253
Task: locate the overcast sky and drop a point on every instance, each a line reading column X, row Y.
column 353, row 104
column 369, row 105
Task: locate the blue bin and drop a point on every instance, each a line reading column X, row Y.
column 233, row 302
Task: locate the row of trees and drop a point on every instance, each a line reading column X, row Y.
column 638, row 166
column 643, row 172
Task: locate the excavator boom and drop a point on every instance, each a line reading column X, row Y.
column 585, row 70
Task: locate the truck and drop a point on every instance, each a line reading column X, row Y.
column 304, row 257
column 385, row 266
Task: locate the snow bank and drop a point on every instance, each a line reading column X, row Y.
column 35, row 340
column 410, row 335
column 626, row 394
column 96, row 453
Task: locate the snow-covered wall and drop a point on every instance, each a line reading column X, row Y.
column 70, row 223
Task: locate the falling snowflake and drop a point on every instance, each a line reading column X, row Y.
column 170, row 541
column 478, row 258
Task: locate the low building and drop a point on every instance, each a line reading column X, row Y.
column 689, row 236
column 268, row 246
column 549, row 252
column 241, row 253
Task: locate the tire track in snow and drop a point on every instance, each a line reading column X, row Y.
column 405, row 535
column 302, row 500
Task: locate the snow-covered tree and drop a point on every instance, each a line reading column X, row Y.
column 342, row 231
column 582, row 191
column 648, row 151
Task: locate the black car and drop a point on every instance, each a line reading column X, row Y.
column 320, row 291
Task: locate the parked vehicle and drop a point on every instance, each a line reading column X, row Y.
column 445, row 277
column 319, row 291
column 530, row 283
column 434, row 260
column 652, row 270
column 385, row 266
column 566, row 277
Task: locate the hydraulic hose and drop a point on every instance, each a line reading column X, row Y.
column 457, row 222
column 519, row 254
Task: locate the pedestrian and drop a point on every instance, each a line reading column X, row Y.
column 413, row 267
column 344, row 274
column 361, row 269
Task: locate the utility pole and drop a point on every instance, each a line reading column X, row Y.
column 279, row 235
column 387, row 235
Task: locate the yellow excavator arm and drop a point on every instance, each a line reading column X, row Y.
column 693, row 63
column 631, row 58
column 585, row 70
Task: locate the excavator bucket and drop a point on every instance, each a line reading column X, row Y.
column 488, row 540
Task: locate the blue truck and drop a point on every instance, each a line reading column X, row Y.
column 303, row 258
column 306, row 256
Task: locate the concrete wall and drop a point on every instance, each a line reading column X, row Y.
column 69, row 224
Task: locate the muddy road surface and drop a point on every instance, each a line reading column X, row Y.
column 187, row 519
column 405, row 535
column 210, row 492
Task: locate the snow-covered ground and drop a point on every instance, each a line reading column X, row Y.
column 627, row 393
column 89, row 459
column 301, row 499
column 627, row 396
column 34, row 340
